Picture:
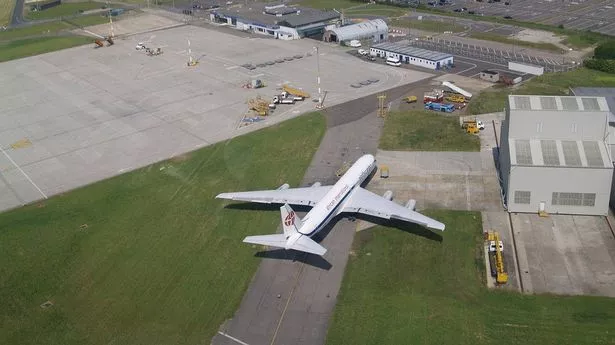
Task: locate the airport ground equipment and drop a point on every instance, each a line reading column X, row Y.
column 384, row 171
column 259, row 105
column 457, row 89
column 456, row 99
column 295, row 92
column 436, row 96
column 447, row 108
column 99, row 42
column 477, row 123
column 254, row 84
column 496, row 259
column 410, row 99
column 153, row 52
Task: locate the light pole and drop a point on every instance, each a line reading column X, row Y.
column 318, row 73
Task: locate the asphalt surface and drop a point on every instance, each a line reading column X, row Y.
column 292, row 296
column 593, row 15
column 17, row 17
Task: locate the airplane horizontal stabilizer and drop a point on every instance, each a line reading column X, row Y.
column 276, row 240
column 302, row 244
column 306, row 244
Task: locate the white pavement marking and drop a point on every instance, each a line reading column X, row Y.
column 232, row 338
column 468, row 69
column 23, row 172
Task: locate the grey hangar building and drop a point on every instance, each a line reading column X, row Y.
column 554, row 155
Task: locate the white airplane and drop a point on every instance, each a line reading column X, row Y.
column 328, row 201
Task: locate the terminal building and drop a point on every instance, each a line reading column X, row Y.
column 373, row 30
column 412, row 55
column 554, row 155
column 277, row 20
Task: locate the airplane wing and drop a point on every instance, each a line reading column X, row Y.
column 366, row 202
column 294, row 196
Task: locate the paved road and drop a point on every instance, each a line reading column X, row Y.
column 17, row 17
column 293, row 295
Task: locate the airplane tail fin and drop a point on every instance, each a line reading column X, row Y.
column 291, row 222
column 291, row 238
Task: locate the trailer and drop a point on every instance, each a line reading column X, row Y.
column 447, row 108
column 525, row 68
column 457, row 89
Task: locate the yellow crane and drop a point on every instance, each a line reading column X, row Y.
column 295, row 92
column 495, row 252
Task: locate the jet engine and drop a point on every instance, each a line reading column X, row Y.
column 284, row 186
column 388, row 195
column 411, row 204
column 317, row 184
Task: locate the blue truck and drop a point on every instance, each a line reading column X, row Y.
column 448, row 108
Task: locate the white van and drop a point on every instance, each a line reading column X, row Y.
column 393, row 61
column 355, row 43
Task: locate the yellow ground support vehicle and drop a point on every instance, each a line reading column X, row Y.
column 496, row 258
column 456, row 99
column 410, row 99
column 295, row 92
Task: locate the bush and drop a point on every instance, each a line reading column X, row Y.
column 605, row 50
column 604, row 65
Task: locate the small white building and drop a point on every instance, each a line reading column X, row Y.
column 412, row 55
column 554, row 156
column 373, row 30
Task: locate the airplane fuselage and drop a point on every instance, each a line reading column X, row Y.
column 331, row 204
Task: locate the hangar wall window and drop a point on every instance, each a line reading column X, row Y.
column 573, row 199
column 522, row 197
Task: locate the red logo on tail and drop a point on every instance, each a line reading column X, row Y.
column 290, row 218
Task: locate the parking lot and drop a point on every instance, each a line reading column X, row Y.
column 593, row 15
column 87, row 114
column 496, row 56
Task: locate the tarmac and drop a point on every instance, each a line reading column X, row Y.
column 80, row 115
column 292, row 295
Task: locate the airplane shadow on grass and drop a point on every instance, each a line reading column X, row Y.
column 319, row 261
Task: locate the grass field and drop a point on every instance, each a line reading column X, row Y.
column 427, row 25
column 62, row 10
column 503, row 39
column 493, row 100
column 414, row 287
column 424, row 130
column 6, row 10
column 34, row 46
column 44, row 38
column 148, row 257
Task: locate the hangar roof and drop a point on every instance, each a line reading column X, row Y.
column 360, row 30
column 404, row 47
column 287, row 16
column 559, row 153
column 557, row 103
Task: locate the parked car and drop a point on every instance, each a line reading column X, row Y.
column 363, row 52
column 355, row 43
column 507, row 17
column 393, row 61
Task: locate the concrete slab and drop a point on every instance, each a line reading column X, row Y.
column 499, row 221
column 94, row 113
column 563, row 254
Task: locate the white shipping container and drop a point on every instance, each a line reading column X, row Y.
column 525, row 68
